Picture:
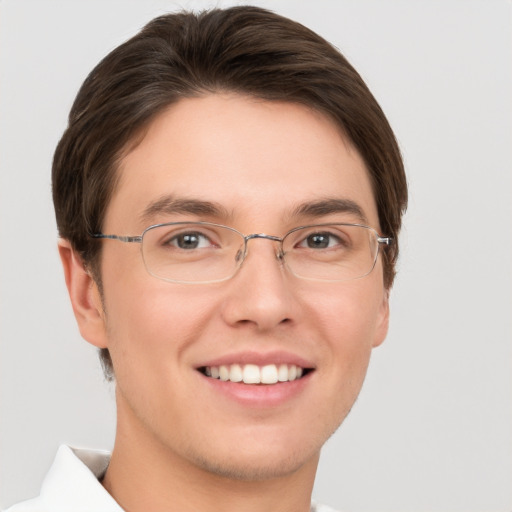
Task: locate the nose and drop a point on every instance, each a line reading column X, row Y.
column 261, row 293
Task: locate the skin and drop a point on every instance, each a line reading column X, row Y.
column 181, row 445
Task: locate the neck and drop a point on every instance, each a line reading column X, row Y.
column 146, row 475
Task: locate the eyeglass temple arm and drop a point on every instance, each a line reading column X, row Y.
column 137, row 239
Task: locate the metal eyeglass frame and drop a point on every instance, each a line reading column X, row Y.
column 387, row 241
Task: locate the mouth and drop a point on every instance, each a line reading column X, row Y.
column 253, row 374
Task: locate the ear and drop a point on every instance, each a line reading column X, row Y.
column 382, row 320
column 85, row 296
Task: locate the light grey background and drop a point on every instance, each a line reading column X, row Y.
column 432, row 429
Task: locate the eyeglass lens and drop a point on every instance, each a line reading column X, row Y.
column 203, row 252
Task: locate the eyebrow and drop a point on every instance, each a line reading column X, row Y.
column 329, row 206
column 168, row 205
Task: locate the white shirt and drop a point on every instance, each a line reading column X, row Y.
column 73, row 485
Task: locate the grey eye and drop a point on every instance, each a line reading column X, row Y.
column 320, row 241
column 189, row 241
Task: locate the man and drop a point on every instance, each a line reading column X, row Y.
column 229, row 196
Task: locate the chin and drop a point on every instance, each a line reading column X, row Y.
column 262, row 454
column 256, row 468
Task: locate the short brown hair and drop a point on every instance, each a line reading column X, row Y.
column 245, row 50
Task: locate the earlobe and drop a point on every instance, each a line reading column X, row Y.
column 382, row 320
column 84, row 295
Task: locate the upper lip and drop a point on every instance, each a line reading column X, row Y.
column 259, row 359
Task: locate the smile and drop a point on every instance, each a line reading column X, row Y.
column 254, row 374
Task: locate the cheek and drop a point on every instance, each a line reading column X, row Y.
column 150, row 319
column 350, row 314
column 350, row 329
column 348, row 323
column 150, row 329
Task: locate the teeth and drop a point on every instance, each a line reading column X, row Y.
column 282, row 373
column 224, row 373
column 269, row 374
column 236, row 373
column 253, row 374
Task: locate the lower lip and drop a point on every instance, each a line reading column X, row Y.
column 259, row 395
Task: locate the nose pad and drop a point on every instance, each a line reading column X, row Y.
column 244, row 250
column 240, row 255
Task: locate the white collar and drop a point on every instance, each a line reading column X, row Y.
column 73, row 483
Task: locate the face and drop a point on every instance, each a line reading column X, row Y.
column 257, row 162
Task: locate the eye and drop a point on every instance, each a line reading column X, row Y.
column 322, row 240
column 190, row 240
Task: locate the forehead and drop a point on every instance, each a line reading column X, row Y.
column 253, row 159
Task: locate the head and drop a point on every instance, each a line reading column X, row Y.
column 177, row 61
column 243, row 49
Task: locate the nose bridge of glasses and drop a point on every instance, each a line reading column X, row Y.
column 272, row 238
column 263, row 235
